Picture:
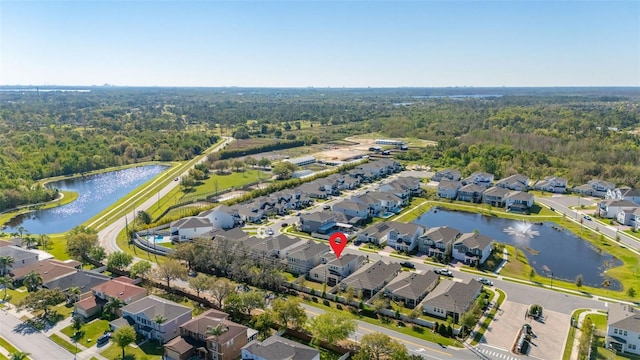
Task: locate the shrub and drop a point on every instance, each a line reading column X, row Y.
column 326, row 302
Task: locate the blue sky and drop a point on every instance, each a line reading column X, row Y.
column 320, row 43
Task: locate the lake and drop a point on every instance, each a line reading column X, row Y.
column 549, row 247
column 95, row 193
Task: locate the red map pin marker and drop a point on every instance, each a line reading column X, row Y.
column 338, row 241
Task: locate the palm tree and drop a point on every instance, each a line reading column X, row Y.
column 44, row 241
column 19, row 356
column 159, row 319
column 5, row 263
column 72, row 294
column 29, row 241
column 216, row 331
column 113, row 305
column 6, row 282
column 32, row 281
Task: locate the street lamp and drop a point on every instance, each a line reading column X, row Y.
column 552, row 280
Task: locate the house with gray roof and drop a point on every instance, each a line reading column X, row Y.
column 142, row 314
column 388, row 201
column 305, row 257
column 313, row 190
column 495, row 196
column 448, row 189
column 629, row 216
column 371, row 278
column 451, row 298
column 397, row 189
column 191, row 227
column 624, row 193
column 410, row 288
column 438, row 241
column 403, row 236
column 317, row 222
column 332, row 270
column 516, row 182
column 448, row 174
column 83, row 279
column 609, row 208
column 472, row 248
column 21, row 257
column 412, row 182
column 554, row 184
column 352, row 209
column 251, row 213
column 471, row 193
column 374, row 204
column 518, row 201
column 278, row 348
column 222, row 217
column 595, row 187
column 623, row 328
column 482, row 179
column 275, row 248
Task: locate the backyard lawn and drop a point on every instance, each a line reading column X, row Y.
column 149, row 350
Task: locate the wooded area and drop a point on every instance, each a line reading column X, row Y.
column 580, row 133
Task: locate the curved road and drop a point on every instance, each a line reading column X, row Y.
column 107, row 236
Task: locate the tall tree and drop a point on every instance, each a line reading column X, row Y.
column 171, row 270
column 79, row 244
column 221, row 289
column 73, row 293
column 200, row 283
column 5, row 263
column 288, row 312
column 112, row 306
column 6, row 283
column 380, row 346
column 119, row 260
column 97, row 253
column 141, row 269
column 123, row 337
column 330, row 327
column 42, row 299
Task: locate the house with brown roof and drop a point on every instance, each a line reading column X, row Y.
column 278, row 348
column 121, row 288
column 197, row 341
column 49, row 269
column 410, row 288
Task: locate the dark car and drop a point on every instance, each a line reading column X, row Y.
column 284, row 225
column 104, row 338
column 408, row 264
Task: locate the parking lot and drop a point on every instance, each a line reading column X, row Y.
column 550, row 332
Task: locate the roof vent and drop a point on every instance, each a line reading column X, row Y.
column 121, row 293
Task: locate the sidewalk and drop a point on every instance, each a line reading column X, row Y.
column 576, row 338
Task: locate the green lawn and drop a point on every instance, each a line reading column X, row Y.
column 64, row 343
column 224, row 181
column 568, row 346
column 89, row 333
column 599, row 320
column 605, row 354
column 5, row 344
column 16, row 294
column 147, row 351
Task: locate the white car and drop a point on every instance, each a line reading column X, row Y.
column 444, row 272
column 485, row 281
column 269, row 232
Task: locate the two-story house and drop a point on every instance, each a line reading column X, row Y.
column 495, row 196
column 451, row 299
column 371, row 278
column 210, row 335
column 352, row 209
column 305, row 257
column 122, row 288
column 595, row 187
column 472, row 248
column 552, row 184
column 623, row 328
column 516, row 182
column 397, row 189
column 275, row 248
column 624, row 193
column 154, row 318
column 319, row 222
column 449, row 174
column 374, row 204
column 191, row 227
column 609, row 208
column 479, row 178
column 403, row 236
column 629, row 216
column 518, row 201
column 222, row 217
column 438, row 241
column 448, row 189
column 471, row 193
column 48, row 269
column 21, row 257
column 332, row 270
column 410, row 288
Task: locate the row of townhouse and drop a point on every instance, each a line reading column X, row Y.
column 624, row 212
column 516, row 182
column 608, row 191
column 494, row 196
column 280, row 202
column 469, row 248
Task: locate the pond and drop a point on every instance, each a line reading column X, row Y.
column 95, row 193
column 548, row 247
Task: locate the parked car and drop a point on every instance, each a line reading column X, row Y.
column 485, row 281
column 408, row 264
column 444, row 272
column 284, row 225
column 269, row 232
column 104, row 339
column 326, row 207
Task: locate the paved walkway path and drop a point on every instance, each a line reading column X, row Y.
column 578, row 333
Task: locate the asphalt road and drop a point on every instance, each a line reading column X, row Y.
column 28, row 340
column 108, row 235
column 561, row 206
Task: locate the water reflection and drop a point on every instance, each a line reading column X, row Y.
column 95, row 193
